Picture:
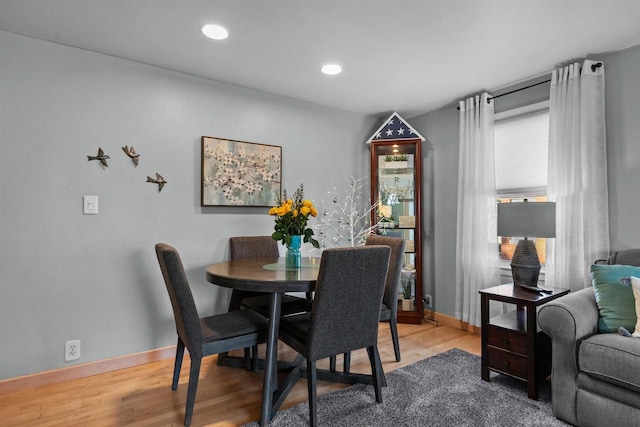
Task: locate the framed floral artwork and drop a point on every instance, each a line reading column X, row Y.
column 236, row 173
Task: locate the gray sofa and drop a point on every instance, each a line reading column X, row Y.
column 595, row 377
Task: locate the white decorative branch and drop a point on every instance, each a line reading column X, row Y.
column 345, row 219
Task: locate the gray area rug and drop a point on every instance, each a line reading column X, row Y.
column 443, row 390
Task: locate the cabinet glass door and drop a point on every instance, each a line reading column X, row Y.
column 395, row 169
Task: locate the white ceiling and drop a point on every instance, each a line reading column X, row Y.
column 410, row 56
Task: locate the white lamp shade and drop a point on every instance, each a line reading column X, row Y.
column 527, row 219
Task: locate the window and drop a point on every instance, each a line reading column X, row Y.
column 521, row 140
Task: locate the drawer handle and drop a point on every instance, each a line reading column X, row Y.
column 506, row 363
column 505, row 340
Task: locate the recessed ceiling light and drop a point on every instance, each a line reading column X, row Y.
column 215, row 32
column 331, row 69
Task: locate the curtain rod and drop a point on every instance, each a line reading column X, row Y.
column 517, row 90
column 593, row 69
column 513, row 91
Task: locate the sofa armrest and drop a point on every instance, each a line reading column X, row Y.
column 568, row 320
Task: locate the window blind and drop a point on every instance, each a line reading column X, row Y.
column 521, row 153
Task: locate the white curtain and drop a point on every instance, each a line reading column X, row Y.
column 476, row 242
column 577, row 174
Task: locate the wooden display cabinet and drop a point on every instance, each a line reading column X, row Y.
column 396, row 174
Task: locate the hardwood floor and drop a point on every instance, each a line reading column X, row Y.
column 142, row 395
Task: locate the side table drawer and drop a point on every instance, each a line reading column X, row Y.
column 508, row 363
column 507, row 339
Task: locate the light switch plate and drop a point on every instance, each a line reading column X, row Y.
column 90, row 205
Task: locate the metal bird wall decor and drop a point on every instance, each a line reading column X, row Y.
column 158, row 180
column 131, row 152
column 101, row 156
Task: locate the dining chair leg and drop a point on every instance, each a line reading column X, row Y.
column 393, row 324
column 194, row 374
column 383, row 378
column 332, row 363
column 247, row 358
column 236, row 300
column 177, row 364
column 255, row 362
column 221, row 357
column 234, row 304
column 376, row 371
column 312, row 379
column 347, row 362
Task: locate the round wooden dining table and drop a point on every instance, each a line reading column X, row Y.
column 267, row 275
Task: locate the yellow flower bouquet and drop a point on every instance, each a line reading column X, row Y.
column 291, row 218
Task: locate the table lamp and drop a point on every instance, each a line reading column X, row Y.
column 526, row 219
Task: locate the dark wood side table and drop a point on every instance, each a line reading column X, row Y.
column 511, row 342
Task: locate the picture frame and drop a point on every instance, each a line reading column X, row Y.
column 238, row 173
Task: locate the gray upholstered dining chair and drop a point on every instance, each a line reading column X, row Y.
column 389, row 306
column 202, row 336
column 246, row 247
column 344, row 314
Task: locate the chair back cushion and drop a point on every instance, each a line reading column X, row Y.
column 346, row 307
column 397, row 245
column 184, row 308
column 625, row 257
column 247, row 247
column 250, row 247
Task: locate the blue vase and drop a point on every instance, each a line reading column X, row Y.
column 293, row 258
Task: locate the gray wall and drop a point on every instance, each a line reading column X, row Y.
column 95, row 278
column 67, row 276
column 622, row 104
column 622, row 98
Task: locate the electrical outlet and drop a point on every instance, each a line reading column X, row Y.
column 428, row 300
column 72, row 350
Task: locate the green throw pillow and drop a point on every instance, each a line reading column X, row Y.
column 615, row 300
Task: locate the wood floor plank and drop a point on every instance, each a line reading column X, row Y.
column 227, row 397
